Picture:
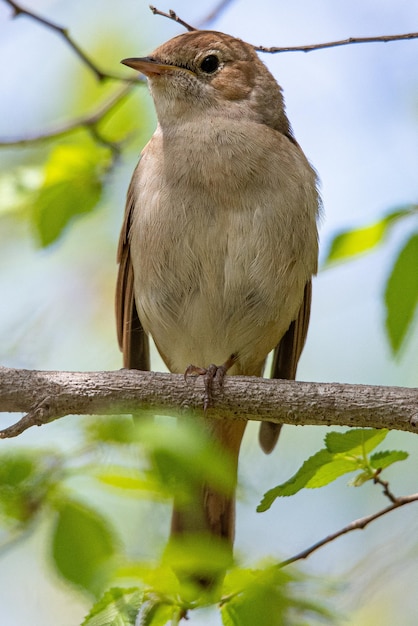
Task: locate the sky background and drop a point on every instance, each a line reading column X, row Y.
column 354, row 110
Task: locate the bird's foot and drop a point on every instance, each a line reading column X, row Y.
column 211, row 374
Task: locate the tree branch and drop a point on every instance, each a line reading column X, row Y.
column 211, row 17
column 340, row 42
column 46, row 396
column 89, row 121
column 358, row 524
column 172, row 15
column 63, row 32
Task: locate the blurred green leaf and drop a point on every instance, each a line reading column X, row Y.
column 351, row 243
column 117, row 607
column 267, row 598
column 72, row 185
column 16, row 186
column 130, row 479
column 114, row 429
column 401, row 294
column 26, row 479
column 203, row 553
column 182, row 456
column 83, row 545
column 157, row 576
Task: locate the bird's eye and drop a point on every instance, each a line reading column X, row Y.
column 209, row 64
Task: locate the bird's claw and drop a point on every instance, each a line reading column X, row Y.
column 210, row 374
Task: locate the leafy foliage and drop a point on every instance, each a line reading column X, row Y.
column 72, row 185
column 343, row 453
column 401, row 294
column 27, row 478
column 266, row 597
column 353, row 242
column 117, row 607
column 83, row 545
column 85, row 549
column 401, row 290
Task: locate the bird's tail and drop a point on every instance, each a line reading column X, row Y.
column 209, row 515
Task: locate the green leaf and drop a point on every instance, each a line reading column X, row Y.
column 331, row 471
column 401, row 294
column 350, row 243
column 83, row 545
column 72, row 186
column 362, row 478
column 157, row 613
column 355, row 440
column 381, row 460
column 117, row 607
column 344, row 453
column 299, row 480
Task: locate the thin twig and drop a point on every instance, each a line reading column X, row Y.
column 172, row 15
column 90, row 122
column 358, row 524
column 63, row 32
column 273, row 49
column 341, row 42
column 384, row 483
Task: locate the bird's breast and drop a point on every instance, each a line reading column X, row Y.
column 219, row 268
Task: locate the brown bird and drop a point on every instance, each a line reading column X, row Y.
column 219, row 242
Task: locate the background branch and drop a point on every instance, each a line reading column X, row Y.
column 341, row 42
column 63, row 32
column 214, row 13
column 46, row 396
column 172, row 15
column 358, row 524
column 89, row 122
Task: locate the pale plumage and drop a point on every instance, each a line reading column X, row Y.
column 220, row 241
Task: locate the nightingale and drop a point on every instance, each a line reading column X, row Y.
column 219, row 241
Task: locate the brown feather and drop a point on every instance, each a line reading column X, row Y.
column 285, row 361
column 132, row 339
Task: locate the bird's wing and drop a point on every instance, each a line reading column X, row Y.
column 285, row 361
column 133, row 341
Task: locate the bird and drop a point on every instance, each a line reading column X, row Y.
column 219, row 242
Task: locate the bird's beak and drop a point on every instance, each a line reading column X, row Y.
column 150, row 67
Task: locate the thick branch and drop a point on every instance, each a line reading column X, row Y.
column 46, row 396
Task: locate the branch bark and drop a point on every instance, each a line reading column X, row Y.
column 46, row 396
